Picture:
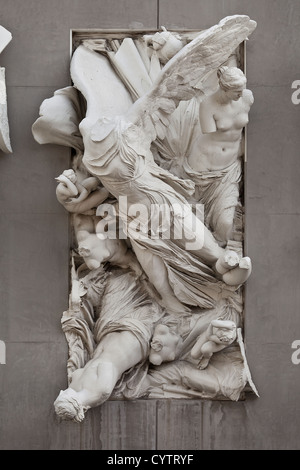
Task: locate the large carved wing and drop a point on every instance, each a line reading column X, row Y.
column 182, row 77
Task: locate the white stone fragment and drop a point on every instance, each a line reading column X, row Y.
column 4, row 127
column 5, row 38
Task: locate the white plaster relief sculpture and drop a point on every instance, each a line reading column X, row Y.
column 151, row 280
column 5, row 145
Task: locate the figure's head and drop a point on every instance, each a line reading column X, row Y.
column 164, row 345
column 232, row 81
column 92, row 249
column 166, row 44
column 68, row 406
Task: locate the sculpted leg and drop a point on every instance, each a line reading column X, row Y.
column 239, row 274
column 232, row 269
column 157, row 273
column 224, row 227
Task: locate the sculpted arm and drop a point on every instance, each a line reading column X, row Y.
column 90, row 183
column 65, row 189
column 206, row 116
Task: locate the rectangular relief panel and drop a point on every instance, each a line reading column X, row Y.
column 156, row 123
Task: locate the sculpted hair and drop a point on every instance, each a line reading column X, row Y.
column 231, row 78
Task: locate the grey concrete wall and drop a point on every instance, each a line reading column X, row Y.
column 34, row 238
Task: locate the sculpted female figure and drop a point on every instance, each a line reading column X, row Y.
column 214, row 163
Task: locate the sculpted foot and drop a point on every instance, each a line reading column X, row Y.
column 203, row 363
column 239, row 274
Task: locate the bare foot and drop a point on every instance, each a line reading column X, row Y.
column 203, row 363
column 239, row 274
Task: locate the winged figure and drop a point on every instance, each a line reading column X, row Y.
column 117, row 116
column 184, row 265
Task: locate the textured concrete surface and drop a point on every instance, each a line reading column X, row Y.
column 34, row 238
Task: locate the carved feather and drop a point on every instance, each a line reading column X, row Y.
column 181, row 78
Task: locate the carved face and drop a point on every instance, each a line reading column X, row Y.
column 163, row 345
column 93, row 250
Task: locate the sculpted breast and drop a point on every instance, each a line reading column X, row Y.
column 235, row 122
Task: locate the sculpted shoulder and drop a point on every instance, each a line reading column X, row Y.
column 248, row 97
